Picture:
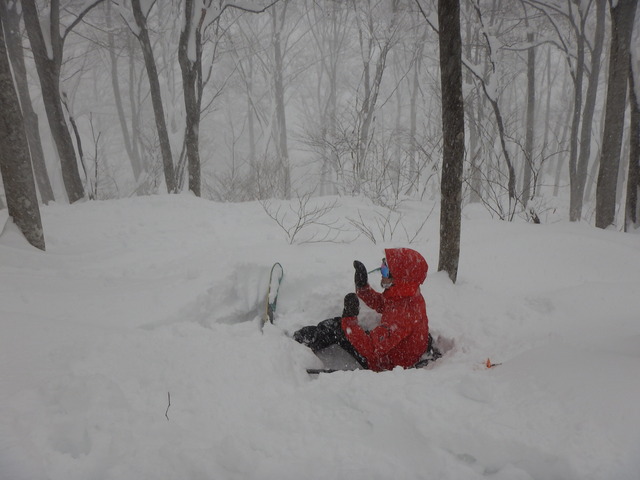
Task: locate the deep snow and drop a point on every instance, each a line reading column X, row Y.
column 145, row 301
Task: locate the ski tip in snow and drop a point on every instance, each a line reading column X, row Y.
column 271, row 299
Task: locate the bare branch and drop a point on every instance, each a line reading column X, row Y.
column 302, row 217
column 79, row 19
column 241, row 7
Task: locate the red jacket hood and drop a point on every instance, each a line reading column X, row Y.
column 406, row 266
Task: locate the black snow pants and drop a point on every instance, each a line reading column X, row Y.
column 328, row 332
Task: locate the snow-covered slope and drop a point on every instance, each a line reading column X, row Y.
column 131, row 349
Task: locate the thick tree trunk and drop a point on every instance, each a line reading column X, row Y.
column 191, row 69
column 15, row 164
column 49, row 74
column 156, row 96
column 622, row 18
column 453, row 135
column 11, row 22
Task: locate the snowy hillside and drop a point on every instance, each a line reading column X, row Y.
column 131, row 349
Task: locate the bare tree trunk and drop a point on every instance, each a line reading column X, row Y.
column 575, row 122
column 251, row 117
column 191, row 69
column 588, row 112
column 633, row 181
column 156, row 96
column 15, row 164
column 475, row 149
column 622, row 18
column 330, row 160
column 414, row 171
column 592, row 176
column 134, row 102
column 336, row 43
column 49, row 73
column 328, row 26
column 453, row 135
column 278, row 85
column 11, row 22
column 393, row 167
column 363, row 111
column 371, row 86
column 473, row 104
column 547, row 113
column 132, row 152
column 560, row 146
column 529, row 135
column 493, row 100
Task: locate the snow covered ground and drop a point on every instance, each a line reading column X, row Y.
column 131, row 349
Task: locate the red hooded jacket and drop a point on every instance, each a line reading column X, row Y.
column 403, row 333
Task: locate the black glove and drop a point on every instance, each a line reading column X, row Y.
column 351, row 305
column 360, row 278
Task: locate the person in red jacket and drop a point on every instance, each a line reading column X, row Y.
column 402, row 336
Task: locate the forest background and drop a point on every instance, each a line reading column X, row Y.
column 251, row 100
